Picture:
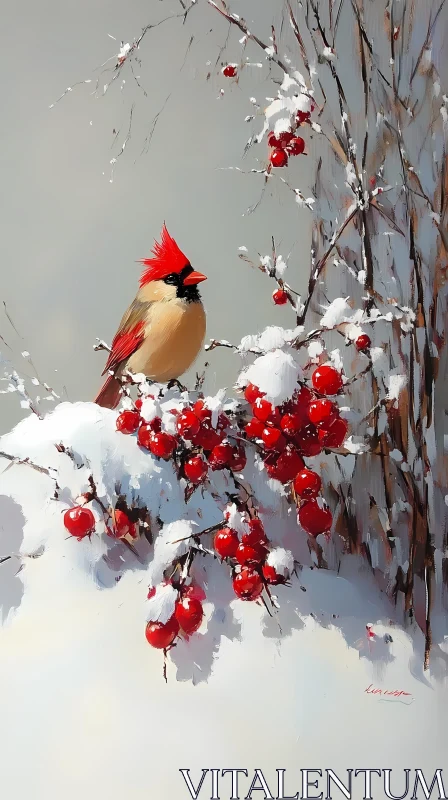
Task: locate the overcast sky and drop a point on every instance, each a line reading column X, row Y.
column 71, row 237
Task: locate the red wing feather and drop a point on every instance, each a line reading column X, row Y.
column 124, row 344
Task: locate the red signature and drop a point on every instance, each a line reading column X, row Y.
column 384, row 692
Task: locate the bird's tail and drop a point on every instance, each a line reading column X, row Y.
column 109, row 394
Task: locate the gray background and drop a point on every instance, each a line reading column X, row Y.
column 70, row 238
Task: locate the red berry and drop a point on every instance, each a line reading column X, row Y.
column 302, row 116
column 280, row 297
column 193, row 591
column 123, row 525
column 307, row 440
column 272, row 140
column 291, row 423
column 145, row 434
column 202, row 412
column 363, row 342
column 252, row 393
column 128, row 421
column 221, row 456
column 189, row 613
column 161, row 634
column 229, row 71
column 246, row 554
column 335, row 434
column 223, row 422
column 298, row 406
column 326, row 380
column 256, row 535
column 156, row 424
column 285, row 137
column 286, row 466
column 322, row 412
column 274, row 418
column 307, row 483
column 238, row 459
column 195, row 469
column 281, row 140
column 278, row 158
column 188, row 424
column 162, row 445
column 247, row 584
column 296, row 146
column 271, row 576
column 138, row 403
column 79, row 521
column 207, row 437
column 254, row 428
column 304, row 398
column 273, row 439
column 315, row 518
column 262, row 409
column 226, row 543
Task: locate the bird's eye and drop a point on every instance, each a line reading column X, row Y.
column 171, row 279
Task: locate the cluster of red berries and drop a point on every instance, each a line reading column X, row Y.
column 300, row 428
column 80, row 522
column 187, row 618
column 250, row 574
column 208, row 445
column 287, row 143
column 248, row 559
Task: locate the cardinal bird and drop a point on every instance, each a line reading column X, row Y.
column 163, row 329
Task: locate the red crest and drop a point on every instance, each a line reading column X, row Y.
column 168, row 257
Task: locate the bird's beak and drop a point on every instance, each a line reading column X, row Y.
column 193, row 278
